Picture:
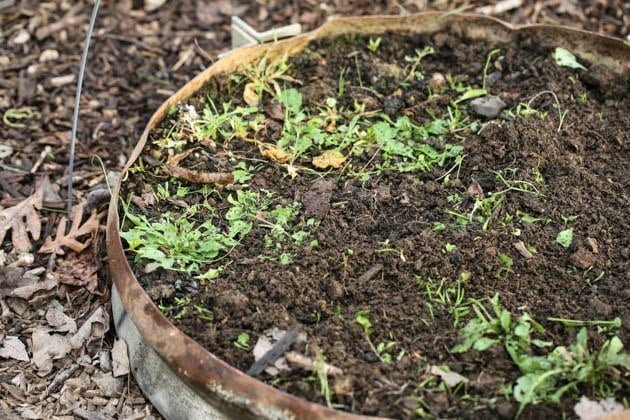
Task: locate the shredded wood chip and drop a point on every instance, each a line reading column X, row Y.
column 77, row 230
column 23, row 219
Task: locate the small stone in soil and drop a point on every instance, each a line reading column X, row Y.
column 583, row 258
column 487, row 106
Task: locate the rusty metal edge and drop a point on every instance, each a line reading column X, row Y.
column 236, row 393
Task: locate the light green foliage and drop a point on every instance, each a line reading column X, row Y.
column 451, row 297
column 267, row 74
column 242, row 341
column 565, row 58
column 176, row 243
column 362, row 319
column 243, row 173
column 299, row 133
column 548, row 377
column 225, row 125
column 319, row 367
column 403, row 144
column 204, row 313
column 507, row 266
column 381, row 349
column 374, row 43
column 565, row 238
column 412, row 70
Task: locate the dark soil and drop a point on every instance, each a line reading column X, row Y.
column 377, row 250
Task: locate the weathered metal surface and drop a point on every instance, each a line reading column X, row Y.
column 176, row 372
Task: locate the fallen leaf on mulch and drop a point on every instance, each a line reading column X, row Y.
column 450, row 378
column 23, row 219
column 59, row 320
column 591, row 410
column 330, row 158
column 95, row 327
column 78, row 270
column 48, row 347
column 13, row 348
column 77, row 230
column 27, row 291
column 110, row 386
column 120, row 359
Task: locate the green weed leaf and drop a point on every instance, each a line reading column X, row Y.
column 565, row 58
column 565, row 238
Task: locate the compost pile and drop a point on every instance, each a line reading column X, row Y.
column 441, row 219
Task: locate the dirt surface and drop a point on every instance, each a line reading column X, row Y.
column 390, row 235
column 137, row 59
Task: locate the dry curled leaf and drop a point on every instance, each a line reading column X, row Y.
column 78, row 270
column 196, row 177
column 274, row 152
column 23, row 219
column 330, row 158
column 77, row 230
column 199, row 177
column 250, row 96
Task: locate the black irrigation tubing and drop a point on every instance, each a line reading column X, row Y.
column 75, row 116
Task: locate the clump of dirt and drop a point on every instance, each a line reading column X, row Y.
column 398, row 245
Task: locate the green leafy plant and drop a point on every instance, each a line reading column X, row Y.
column 452, row 297
column 507, row 266
column 548, row 377
column 361, row 317
column 176, row 243
column 319, row 367
column 565, row 58
column 565, row 238
column 242, row 341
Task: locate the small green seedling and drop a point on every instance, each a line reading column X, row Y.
column 319, row 367
column 242, row 341
column 565, row 238
column 361, row 317
column 374, row 43
column 449, row 248
column 565, row 58
column 505, row 271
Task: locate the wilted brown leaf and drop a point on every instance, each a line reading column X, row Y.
column 78, row 270
column 23, row 219
column 199, row 177
column 250, row 96
column 77, row 230
column 330, row 158
column 274, row 152
column 196, row 177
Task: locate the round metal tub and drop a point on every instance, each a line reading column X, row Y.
column 180, row 377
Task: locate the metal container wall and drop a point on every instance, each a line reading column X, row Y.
column 180, row 377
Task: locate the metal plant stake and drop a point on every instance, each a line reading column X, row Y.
column 75, row 116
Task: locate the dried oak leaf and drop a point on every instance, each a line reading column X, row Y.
column 78, row 270
column 71, row 239
column 23, row 219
